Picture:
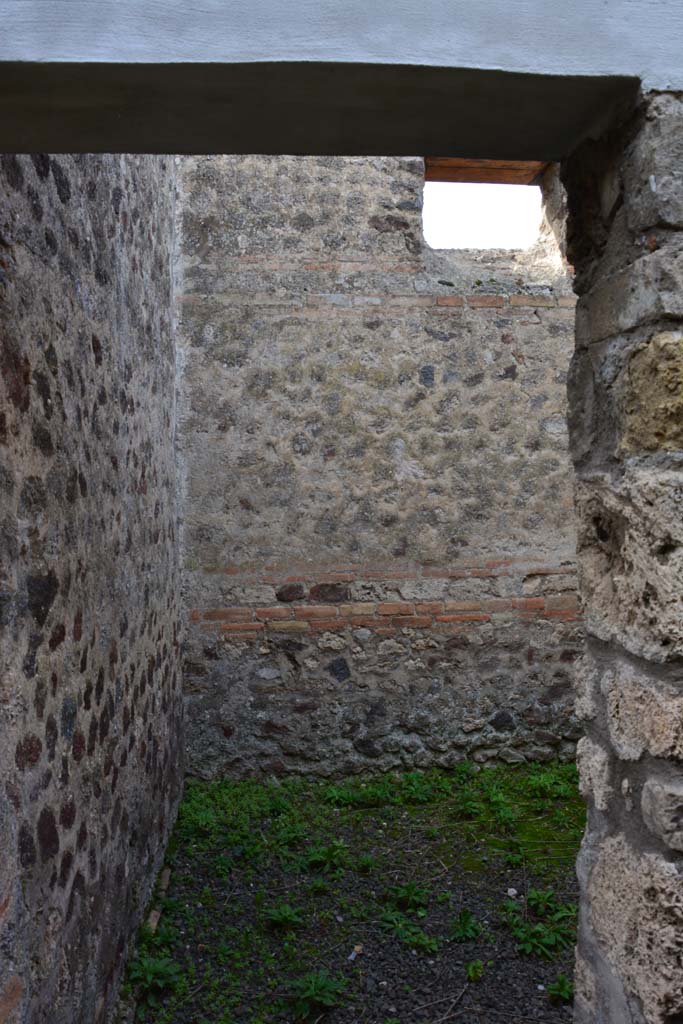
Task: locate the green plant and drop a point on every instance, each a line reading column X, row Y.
column 554, row 783
column 288, row 833
column 355, row 794
column 152, row 977
column 159, row 941
column 328, row 858
column 408, row 932
column 513, row 856
column 362, row 911
column 418, row 939
column 416, row 788
column 465, row 927
column 222, row 866
column 561, row 990
column 411, row 896
column 319, row 886
column 545, row 937
column 366, row 863
column 283, row 916
column 541, row 901
column 474, row 970
column 468, row 803
column 315, row 991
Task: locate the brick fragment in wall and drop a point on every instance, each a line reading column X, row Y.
column 91, row 759
column 477, row 582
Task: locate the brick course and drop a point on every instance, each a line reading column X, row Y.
column 398, row 614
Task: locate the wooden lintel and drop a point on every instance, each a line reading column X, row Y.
column 501, row 172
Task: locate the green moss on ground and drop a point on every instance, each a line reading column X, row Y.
column 276, row 884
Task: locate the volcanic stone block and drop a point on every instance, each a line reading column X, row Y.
column 630, row 550
column 652, row 172
column 636, row 910
column 652, row 403
column 644, row 715
column 662, row 807
column 594, row 772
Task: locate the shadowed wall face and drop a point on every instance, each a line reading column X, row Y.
column 89, row 681
column 378, row 533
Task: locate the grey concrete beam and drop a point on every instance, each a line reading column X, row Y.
column 301, row 107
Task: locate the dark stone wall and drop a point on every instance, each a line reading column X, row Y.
column 90, row 712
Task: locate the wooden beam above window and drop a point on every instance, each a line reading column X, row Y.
column 499, row 172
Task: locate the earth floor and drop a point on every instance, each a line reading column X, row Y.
column 416, row 898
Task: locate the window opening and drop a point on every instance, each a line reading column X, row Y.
column 482, row 204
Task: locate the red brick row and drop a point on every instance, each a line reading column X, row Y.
column 383, row 615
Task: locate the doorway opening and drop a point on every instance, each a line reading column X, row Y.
column 73, row 851
column 379, row 565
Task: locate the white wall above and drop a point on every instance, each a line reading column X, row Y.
column 565, row 37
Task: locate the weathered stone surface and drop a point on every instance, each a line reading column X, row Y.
column 652, row 169
column 652, row 403
column 662, row 807
column 643, row 714
column 636, row 911
column 308, row 427
column 624, row 200
column 594, row 772
column 356, row 701
column 630, row 550
column 10, row 1000
column 585, row 989
column 586, row 681
column 648, row 290
column 626, row 398
column 90, row 712
column 376, row 428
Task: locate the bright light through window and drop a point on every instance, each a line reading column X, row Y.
column 469, row 216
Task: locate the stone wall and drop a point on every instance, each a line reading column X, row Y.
column 625, row 236
column 378, row 531
column 90, row 709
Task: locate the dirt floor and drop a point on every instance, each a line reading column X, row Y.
column 421, row 898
